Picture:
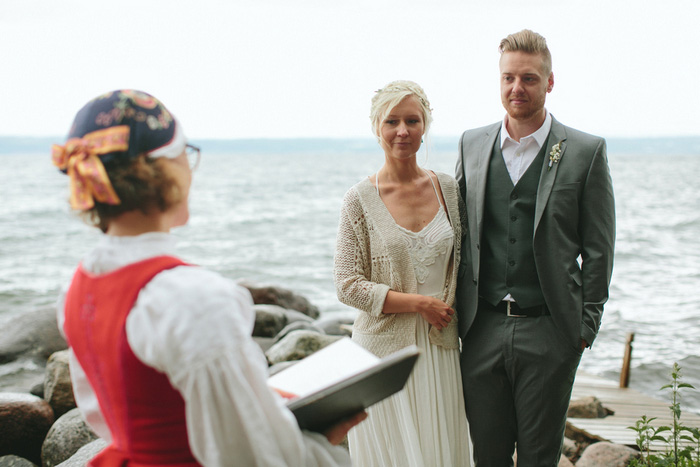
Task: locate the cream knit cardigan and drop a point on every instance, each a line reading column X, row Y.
column 371, row 258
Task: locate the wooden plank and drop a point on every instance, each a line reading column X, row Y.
column 629, row 406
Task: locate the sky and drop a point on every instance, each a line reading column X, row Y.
column 308, row 68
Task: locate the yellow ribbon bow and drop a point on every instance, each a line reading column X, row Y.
column 80, row 158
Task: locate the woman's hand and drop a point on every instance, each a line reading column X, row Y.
column 337, row 432
column 436, row 312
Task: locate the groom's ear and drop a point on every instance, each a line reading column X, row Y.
column 550, row 82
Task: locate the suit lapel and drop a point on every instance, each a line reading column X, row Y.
column 556, row 135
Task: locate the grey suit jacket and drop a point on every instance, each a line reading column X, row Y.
column 574, row 217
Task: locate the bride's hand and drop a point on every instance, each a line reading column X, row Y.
column 436, row 312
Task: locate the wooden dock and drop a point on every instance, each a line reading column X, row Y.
column 629, row 405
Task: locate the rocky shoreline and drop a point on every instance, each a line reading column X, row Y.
column 40, row 425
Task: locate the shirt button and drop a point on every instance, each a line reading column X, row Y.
column 511, row 262
column 512, row 240
column 513, row 218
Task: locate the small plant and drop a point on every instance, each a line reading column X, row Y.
column 675, row 455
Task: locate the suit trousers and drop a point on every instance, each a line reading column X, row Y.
column 517, row 375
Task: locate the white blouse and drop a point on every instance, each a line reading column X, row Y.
column 195, row 326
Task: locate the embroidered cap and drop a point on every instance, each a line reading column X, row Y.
column 124, row 123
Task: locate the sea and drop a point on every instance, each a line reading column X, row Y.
column 267, row 211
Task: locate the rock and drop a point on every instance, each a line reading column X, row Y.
column 293, row 316
column 58, row 389
column 65, row 438
column 24, row 421
column 269, row 320
column 33, row 334
column 605, row 454
column 14, row 461
column 588, row 407
column 297, row 345
column 337, row 323
column 569, row 448
column 84, row 454
column 264, row 342
column 580, row 436
column 298, row 326
column 285, row 298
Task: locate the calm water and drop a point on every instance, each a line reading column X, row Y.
column 272, row 218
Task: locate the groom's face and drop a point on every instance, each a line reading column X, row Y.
column 524, row 84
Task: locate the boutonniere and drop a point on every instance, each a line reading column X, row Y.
column 555, row 154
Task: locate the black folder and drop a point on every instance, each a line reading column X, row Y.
column 322, row 409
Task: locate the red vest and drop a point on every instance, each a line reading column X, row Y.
column 145, row 414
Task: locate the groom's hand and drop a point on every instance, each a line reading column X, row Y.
column 584, row 344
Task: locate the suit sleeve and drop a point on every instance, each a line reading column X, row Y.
column 598, row 241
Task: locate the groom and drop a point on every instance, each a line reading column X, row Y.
column 537, row 258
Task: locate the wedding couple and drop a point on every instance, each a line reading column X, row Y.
column 513, row 259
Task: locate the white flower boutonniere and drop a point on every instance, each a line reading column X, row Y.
column 555, row 154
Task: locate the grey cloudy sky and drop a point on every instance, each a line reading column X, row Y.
column 308, row 68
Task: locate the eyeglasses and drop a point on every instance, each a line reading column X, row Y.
column 193, row 155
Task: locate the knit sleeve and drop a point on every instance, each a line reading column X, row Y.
column 353, row 260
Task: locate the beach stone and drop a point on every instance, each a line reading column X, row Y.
column 84, row 454
column 569, row 448
column 58, row 389
column 606, row 454
column 32, row 334
column 65, row 438
column 269, row 320
column 14, row 461
column 588, row 407
column 293, row 316
column 298, row 326
column 297, row 345
column 24, row 421
column 338, row 323
column 285, row 298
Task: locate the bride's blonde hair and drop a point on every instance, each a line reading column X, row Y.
column 388, row 97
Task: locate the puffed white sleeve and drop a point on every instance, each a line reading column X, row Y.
column 195, row 326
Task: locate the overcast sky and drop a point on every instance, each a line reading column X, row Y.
column 308, row 68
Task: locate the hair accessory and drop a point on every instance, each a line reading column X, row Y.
column 118, row 124
column 79, row 158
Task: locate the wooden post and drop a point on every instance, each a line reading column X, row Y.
column 627, row 360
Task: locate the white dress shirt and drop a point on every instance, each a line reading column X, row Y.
column 519, row 155
column 195, row 326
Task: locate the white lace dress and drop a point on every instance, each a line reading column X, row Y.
column 424, row 425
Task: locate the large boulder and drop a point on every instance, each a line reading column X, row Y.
column 24, row 421
column 297, row 326
column 33, row 334
column 285, row 298
column 58, row 389
column 65, row 438
column 337, row 323
column 14, row 461
column 269, row 320
column 588, row 407
column 84, row 454
column 297, row 345
column 605, row 454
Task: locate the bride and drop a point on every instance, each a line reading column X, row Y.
column 396, row 260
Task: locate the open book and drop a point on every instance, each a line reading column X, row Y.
column 340, row 380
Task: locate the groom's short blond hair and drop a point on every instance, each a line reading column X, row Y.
column 528, row 42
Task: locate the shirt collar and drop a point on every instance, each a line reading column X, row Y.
column 540, row 135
